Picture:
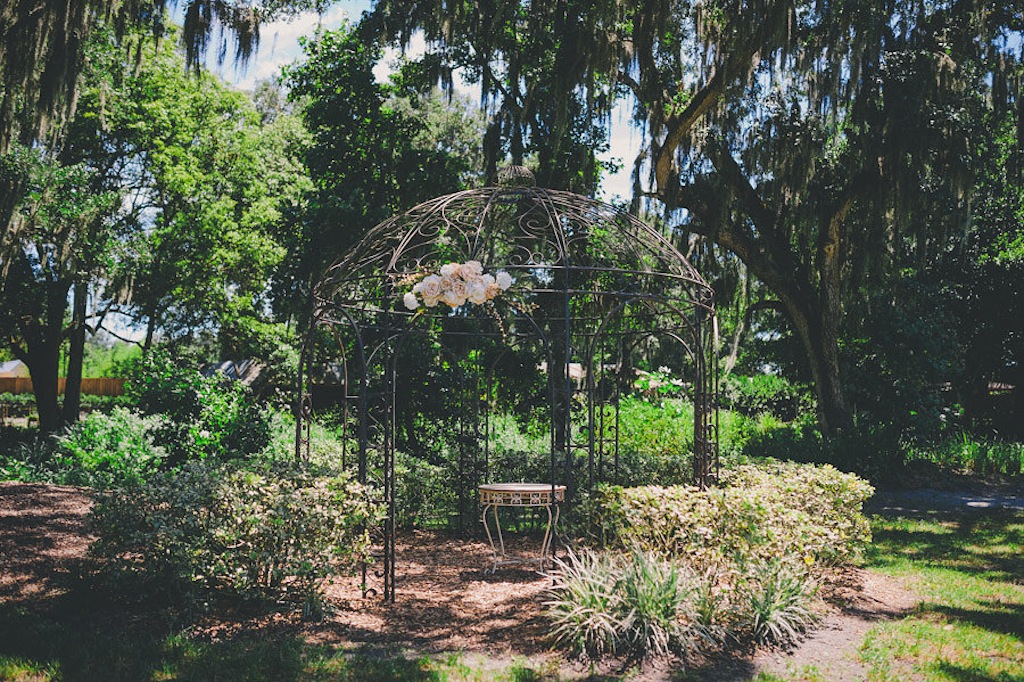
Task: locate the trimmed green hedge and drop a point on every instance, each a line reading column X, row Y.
column 759, row 513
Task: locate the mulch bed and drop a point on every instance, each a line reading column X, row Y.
column 42, row 535
column 445, row 601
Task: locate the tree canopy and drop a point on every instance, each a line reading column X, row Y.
column 828, row 146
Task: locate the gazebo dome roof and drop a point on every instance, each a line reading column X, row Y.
column 561, row 240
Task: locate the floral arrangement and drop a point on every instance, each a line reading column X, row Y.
column 456, row 284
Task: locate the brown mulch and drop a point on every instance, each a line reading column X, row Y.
column 445, row 601
column 42, row 535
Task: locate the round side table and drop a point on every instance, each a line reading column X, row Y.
column 496, row 495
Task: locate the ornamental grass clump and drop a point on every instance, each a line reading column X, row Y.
column 585, row 607
column 779, row 601
column 656, row 594
column 633, row 605
column 638, row 605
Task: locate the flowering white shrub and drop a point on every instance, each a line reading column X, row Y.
column 456, row 284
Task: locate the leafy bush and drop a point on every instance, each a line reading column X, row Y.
column 103, row 403
column 967, row 453
column 25, row 455
column 18, row 400
column 205, row 416
column 766, row 393
column 111, row 449
column 425, row 493
column 278, row 533
column 875, row 453
column 761, row 512
column 663, row 428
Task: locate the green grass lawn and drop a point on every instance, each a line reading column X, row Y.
column 969, row 572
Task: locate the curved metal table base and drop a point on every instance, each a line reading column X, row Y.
column 495, row 495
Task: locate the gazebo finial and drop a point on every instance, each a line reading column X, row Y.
column 516, row 176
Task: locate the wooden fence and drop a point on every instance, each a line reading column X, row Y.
column 98, row 386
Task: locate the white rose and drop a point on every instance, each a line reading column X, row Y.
column 472, row 267
column 410, row 301
column 456, row 293
column 451, row 270
column 491, row 287
column 504, row 280
column 430, row 288
column 477, row 291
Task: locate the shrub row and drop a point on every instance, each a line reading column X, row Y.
column 274, row 534
column 760, row 512
column 24, row 403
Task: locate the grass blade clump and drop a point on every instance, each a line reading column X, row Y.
column 779, row 599
column 585, row 607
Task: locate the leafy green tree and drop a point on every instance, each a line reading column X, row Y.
column 829, row 146
column 64, row 233
column 377, row 149
column 42, row 58
column 213, row 190
column 546, row 72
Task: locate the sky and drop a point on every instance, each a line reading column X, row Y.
column 279, row 45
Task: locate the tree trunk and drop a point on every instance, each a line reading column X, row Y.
column 43, row 341
column 814, row 311
column 76, row 355
column 150, row 329
column 823, row 357
column 43, row 368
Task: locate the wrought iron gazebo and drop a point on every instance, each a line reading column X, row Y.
column 469, row 279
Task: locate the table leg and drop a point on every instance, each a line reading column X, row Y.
column 549, row 534
column 498, row 557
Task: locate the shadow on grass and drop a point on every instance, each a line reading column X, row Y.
column 970, row 543
column 74, row 647
column 1007, row 619
column 958, row 673
column 59, row 640
column 722, row 669
column 79, row 647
